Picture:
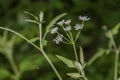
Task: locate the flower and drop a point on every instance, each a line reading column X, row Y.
column 58, row 39
column 61, row 22
column 78, row 26
column 67, row 28
column 54, row 30
column 67, row 22
column 83, row 18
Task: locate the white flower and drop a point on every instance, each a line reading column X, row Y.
column 61, row 22
column 67, row 28
column 58, row 39
column 78, row 26
column 67, row 22
column 54, row 30
column 83, row 18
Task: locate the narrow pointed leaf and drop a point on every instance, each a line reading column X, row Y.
column 78, row 33
column 68, row 62
column 34, row 39
column 74, row 75
column 31, row 15
column 32, row 21
column 81, row 56
column 44, row 42
column 116, row 29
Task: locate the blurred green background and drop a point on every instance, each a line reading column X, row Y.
column 101, row 12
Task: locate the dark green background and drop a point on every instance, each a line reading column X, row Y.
column 101, row 12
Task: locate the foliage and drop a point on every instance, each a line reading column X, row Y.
column 97, row 48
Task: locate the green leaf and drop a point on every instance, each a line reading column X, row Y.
column 31, row 63
column 115, row 30
column 4, row 73
column 44, row 42
column 53, row 22
column 34, row 39
column 31, row 15
column 32, row 21
column 68, row 62
column 81, row 56
column 74, row 75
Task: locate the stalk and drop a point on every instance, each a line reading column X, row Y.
column 14, row 67
column 116, row 65
column 116, row 56
column 43, row 52
column 74, row 47
column 51, row 64
column 40, row 35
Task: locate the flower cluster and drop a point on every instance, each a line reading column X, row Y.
column 54, row 30
column 58, row 39
column 83, row 18
column 66, row 26
column 78, row 26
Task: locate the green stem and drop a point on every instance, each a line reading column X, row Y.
column 78, row 33
column 83, row 75
column 73, row 44
column 71, row 36
column 43, row 52
column 51, row 64
column 116, row 56
column 116, row 65
column 14, row 67
column 47, row 58
column 40, row 34
column 81, row 72
column 74, row 47
column 67, row 34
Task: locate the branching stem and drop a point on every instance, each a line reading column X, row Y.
column 41, row 50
